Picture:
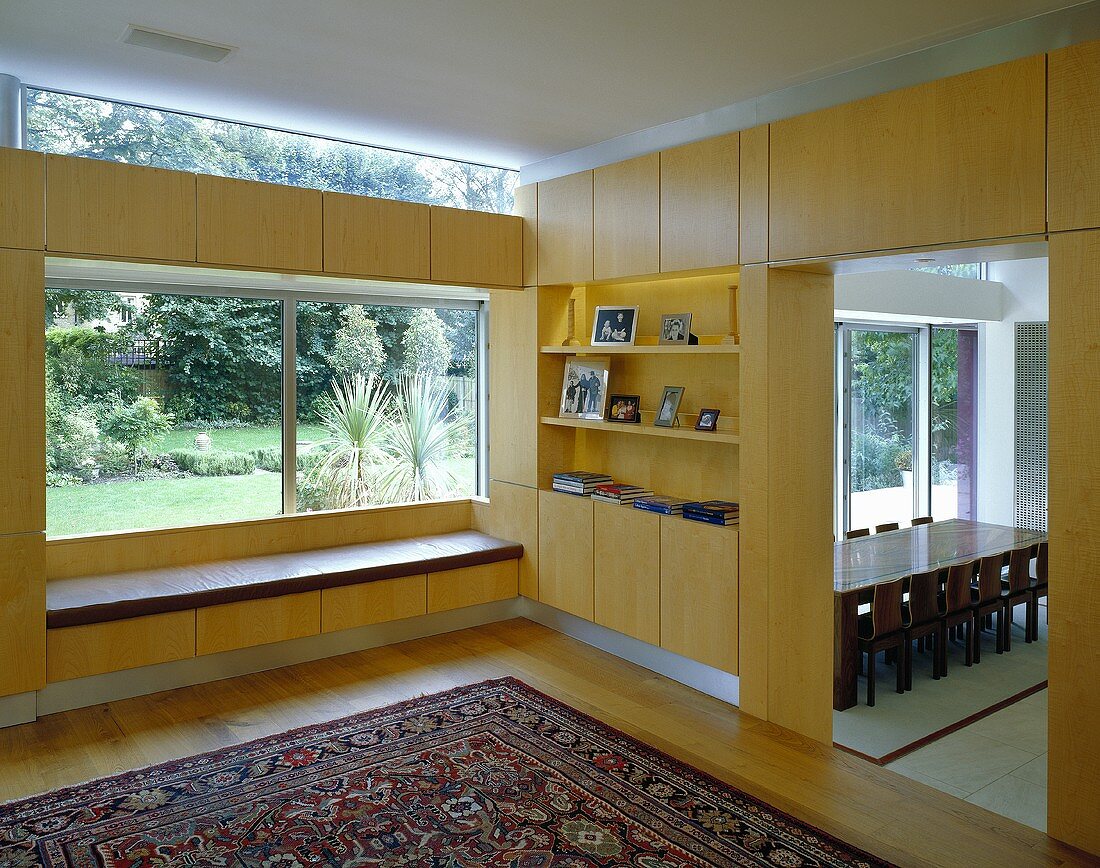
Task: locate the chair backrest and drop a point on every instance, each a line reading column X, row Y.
column 891, row 525
column 1042, row 563
column 863, row 531
column 886, row 607
column 924, row 597
column 959, row 578
column 924, row 519
column 1019, row 569
column 989, row 577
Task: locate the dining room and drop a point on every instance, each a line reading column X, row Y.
column 940, row 534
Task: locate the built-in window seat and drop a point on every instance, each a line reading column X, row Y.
column 103, row 623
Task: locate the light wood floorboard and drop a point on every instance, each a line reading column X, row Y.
column 871, row 807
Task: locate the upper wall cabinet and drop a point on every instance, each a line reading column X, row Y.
column 626, row 221
column 527, row 208
column 753, row 246
column 476, row 247
column 379, row 237
column 699, row 204
column 958, row 159
column 22, row 199
column 115, row 209
column 265, row 226
column 565, row 229
column 1074, row 137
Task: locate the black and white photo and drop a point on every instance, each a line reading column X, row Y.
column 708, row 419
column 584, row 388
column 614, row 325
column 670, row 404
column 675, row 328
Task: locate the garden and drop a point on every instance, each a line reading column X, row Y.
column 187, row 429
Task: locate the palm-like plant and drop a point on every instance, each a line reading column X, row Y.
column 356, row 425
column 422, row 436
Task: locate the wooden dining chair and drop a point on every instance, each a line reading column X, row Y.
column 853, row 534
column 924, row 519
column 987, row 600
column 958, row 610
column 1038, row 586
column 882, row 528
column 881, row 630
column 922, row 617
column 1016, row 589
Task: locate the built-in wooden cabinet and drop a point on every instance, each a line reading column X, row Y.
column 699, row 591
column 527, row 209
column 377, row 237
column 22, row 199
column 23, row 607
column 471, row 586
column 266, row 226
column 115, row 209
column 626, row 223
column 565, row 229
column 627, row 595
column 22, row 383
column 476, row 247
column 699, row 204
column 565, row 553
column 1073, row 135
column 958, row 159
column 93, row 649
column 257, row 622
column 373, row 603
column 753, row 189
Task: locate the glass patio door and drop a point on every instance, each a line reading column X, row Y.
column 879, row 412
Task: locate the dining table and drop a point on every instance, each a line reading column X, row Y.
column 861, row 563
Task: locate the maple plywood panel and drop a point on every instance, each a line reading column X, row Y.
column 373, row 603
column 22, row 613
column 378, row 237
column 626, row 218
column 512, row 513
column 513, row 393
column 257, row 622
column 22, row 199
column 470, row 586
column 527, row 208
column 958, row 159
column 627, row 571
column 116, row 209
column 92, row 649
column 1073, row 136
column 565, row 229
column 755, row 144
column 565, row 553
column 699, row 204
column 476, row 247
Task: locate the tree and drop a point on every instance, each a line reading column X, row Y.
column 427, row 352
column 357, row 348
column 137, row 427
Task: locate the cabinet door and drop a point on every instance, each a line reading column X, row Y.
column 229, row 626
column 1074, row 137
column 114, row 209
column 260, row 225
column 626, row 218
column 477, row 247
column 527, row 209
column 699, row 591
column 92, row 649
column 22, row 199
column 959, row 159
column 565, row 229
column 753, row 215
column 377, row 237
column 565, row 553
column 699, row 204
column 373, row 603
column 628, row 579
column 470, row 586
column 22, row 613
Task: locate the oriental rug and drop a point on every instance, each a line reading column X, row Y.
column 491, row 774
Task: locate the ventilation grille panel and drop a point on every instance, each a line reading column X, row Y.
column 1031, row 425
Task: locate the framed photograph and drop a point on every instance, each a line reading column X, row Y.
column 614, row 325
column 708, row 419
column 675, row 328
column 669, row 406
column 624, row 408
column 584, row 388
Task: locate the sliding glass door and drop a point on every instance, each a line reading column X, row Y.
column 953, row 435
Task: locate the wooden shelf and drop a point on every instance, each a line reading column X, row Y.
column 653, row 349
column 645, row 430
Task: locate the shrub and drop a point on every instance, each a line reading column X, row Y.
column 214, row 463
column 270, row 458
column 137, row 426
column 72, row 437
column 77, row 362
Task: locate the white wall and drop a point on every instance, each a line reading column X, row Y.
column 1025, row 300
column 916, row 297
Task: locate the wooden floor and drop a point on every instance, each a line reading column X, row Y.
column 871, row 807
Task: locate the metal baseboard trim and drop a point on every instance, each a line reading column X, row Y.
column 18, row 708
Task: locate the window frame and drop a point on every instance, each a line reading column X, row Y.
column 289, row 300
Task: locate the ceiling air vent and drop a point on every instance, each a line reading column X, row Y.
column 158, row 40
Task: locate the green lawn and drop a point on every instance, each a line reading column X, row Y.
column 239, row 439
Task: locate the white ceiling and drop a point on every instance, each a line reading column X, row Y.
column 504, row 82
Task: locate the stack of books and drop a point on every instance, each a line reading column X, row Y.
column 579, row 482
column 721, row 512
column 661, row 504
column 619, row 493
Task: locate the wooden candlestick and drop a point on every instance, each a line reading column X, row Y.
column 571, row 326
column 734, row 336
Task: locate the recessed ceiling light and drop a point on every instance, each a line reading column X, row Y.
column 158, row 40
column 924, row 260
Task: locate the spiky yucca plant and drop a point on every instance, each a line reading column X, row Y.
column 356, row 425
column 422, row 436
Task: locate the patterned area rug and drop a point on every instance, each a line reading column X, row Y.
column 493, row 774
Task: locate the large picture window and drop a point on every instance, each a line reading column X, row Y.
column 172, row 409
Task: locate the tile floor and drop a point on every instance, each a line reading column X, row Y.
column 999, row 762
